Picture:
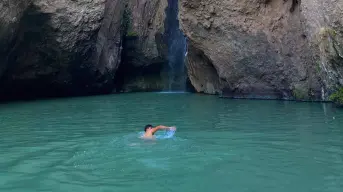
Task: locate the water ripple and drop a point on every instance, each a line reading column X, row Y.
column 92, row 144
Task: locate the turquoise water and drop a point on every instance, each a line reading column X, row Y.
column 91, row 144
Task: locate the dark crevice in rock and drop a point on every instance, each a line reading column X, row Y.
column 295, row 3
column 136, row 72
column 201, row 72
column 130, row 78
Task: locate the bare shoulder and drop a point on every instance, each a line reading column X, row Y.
column 147, row 135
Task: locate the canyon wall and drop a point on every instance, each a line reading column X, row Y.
column 323, row 25
column 10, row 15
column 145, row 48
column 61, row 47
column 75, row 47
column 273, row 49
column 276, row 49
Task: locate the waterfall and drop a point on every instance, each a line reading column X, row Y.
column 177, row 49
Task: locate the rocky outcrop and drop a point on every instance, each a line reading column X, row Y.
column 323, row 25
column 145, row 30
column 63, row 48
column 57, row 48
column 10, row 15
column 281, row 49
column 258, row 49
column 145, row 48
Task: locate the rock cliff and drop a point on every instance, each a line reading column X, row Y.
column 323, row 25
column 264, row 48
column 61, row 48
column 145, row 49
column 10, row 15
column 75, row 47
column 281, row 49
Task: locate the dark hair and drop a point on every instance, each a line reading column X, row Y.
column 147, row 126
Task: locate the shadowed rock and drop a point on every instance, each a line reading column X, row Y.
column 63, row 48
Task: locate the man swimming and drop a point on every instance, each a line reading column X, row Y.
column 150, row 130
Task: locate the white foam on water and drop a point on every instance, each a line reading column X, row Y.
column 168, row 134
column 173, row 92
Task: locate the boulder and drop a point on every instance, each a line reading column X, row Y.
column 251, row 49
column 62, row 48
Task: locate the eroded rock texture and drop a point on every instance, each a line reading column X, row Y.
column 11, row 13
column 57, row 48
column 323, row 25
column 145, row 48
column 280, row 49
column 259, row 49
column 146, row 23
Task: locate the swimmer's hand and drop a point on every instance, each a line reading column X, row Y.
column 162, row 127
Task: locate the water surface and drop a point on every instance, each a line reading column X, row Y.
column 92, row 144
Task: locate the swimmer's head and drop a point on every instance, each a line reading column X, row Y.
column 147, row 127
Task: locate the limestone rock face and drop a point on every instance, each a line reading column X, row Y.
column 145, row 30
column 75, row 47
column 323, row 24
column 257, row 48
column 281, row 49
column 145, row 50
column 10, row 15
column 62, row 47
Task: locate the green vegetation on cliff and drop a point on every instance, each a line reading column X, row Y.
column 299, row 94
column 131, row 34
column 337, row 97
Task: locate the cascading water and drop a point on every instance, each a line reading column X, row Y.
column 177, row 49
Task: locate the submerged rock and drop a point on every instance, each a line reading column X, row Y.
column 262, row 49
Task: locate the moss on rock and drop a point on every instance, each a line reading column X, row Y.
column 132, row 34
column 299, row 93
column 337, row 97
column 144, row 83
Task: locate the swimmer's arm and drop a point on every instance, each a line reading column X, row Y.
column 159, row 128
